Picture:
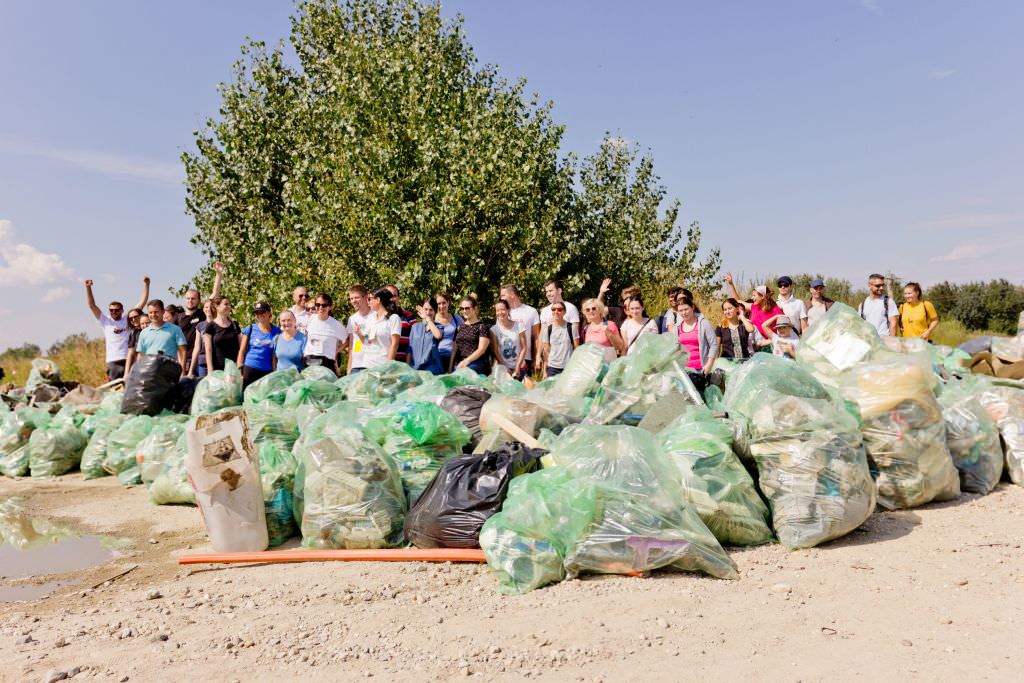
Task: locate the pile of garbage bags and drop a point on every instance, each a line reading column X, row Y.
column 219, row 389
column 972, row 437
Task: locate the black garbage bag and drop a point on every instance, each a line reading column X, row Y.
column 179, row 398
column 148, row 383
column 465, row 403
column 464, row 494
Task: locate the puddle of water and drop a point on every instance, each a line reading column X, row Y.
column 34, row 547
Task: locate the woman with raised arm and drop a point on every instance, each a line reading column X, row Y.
column 424, row 338
column 761, row 307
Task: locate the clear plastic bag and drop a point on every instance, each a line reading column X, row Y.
column 1006, row 406
column 582, row 374
column 56, row 449
column 156, row 449
column 277, row 472
column 272, row 388
column 319, row 372
column 314, row 392
column 382, row 383
column 96, row 450
column 351, row 494
column 904, row 431
column 121, row 446
column 714, row 481
column 16, row 429
column 973, row 439
column 44, row 372
column 837, row 342
column 171, row 484
column 219, row 389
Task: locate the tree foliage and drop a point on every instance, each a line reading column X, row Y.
column 995, row 305
column 380, row 151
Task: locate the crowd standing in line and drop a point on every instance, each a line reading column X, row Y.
column 202, row 335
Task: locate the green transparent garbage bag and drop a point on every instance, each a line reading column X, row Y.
column 56, row 449
column 271, row 388
column 319, row 372
column 44, row 371
column 837, row 342
column 156, row 449
column 643, row 521
column 545, row 512
column 110, row 404
column 96, row 450
column 382, row 383
column 121, row 447
column 655, row 370
column 904, row 431
column 463, row 377
column 972, row 438
column 70, row 416
column 351, row 494
column 219, row 389
column 277, row 472
column 807, row 448
column 271, row 422
column 1005, row 404
column 504, row 419
column 16, row 429
column 432, row 390
column 582, row 374
column 421, row 437
column 171, row 485
column 315, row 392
column 715, row 483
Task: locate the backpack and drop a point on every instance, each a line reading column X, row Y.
column 568, row 327
column 885, row 309
column 899, row 320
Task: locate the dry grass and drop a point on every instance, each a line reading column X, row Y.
column 82, row 362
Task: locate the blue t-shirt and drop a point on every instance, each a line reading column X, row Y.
column 166, row 338
column 260, row 354
column 289, row 351
column 423, row 354
column 444, row 346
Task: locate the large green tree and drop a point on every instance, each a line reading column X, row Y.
column 380, row 151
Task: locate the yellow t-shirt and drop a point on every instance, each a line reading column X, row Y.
column 917, row 318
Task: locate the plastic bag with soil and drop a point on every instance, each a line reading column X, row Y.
column 16, row 429
column 273, row 388
column 149, row 382
column 973, row 439
column 464, row 495
column 715, row 482
column 218, row 390
column 904, row 430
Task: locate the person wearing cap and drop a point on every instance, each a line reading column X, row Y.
column 256, row 348
column 817, row 306
column 781, row 336
column 794, row 308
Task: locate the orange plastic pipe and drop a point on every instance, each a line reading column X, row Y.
column 386, row 555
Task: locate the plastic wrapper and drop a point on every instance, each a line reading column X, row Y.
column 382, row 383
column 157, row 448
column 972, row 438
column 96, row 450
column 148, row 384
column 714, row 481
column 465, row 403
column 464, row 495
column 56, row 449
column 656, row 369
column 420, row 437
column 807, row 447
column 351, row 493
column 219, row 389
column 837, row 342
column 315, row 392
column 904, row 431
column 582, row 374
column 16, row 429
column 319, row 372
column 121, row 446
column 44, row 372
column 1006, row 406
column 170, row 483
column 277, row 472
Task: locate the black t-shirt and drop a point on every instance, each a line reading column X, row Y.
column 187, row 322
column 133, row 337
column 225, row 343
column 726, row 342
column 467, row 341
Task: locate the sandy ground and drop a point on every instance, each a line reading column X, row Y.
column 936, row 593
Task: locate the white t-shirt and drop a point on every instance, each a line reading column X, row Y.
column 301, row 318
column 527, row 317
column 377, row 336
column 116, row 333
column 631, row 330
column 815, row 313
column 358, row 350
column 508, row 343
column 795, row 309
column 324, row 336
column 792, row 340
column 873, row 310
column 572, row 314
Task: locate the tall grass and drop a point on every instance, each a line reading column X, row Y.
column 81, row 361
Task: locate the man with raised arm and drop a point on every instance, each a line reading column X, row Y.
column 193, row 314
column 115, row 328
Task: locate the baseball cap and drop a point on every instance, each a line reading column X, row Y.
column 261, row 307
column 783, row 321
column 818, row 282
column 785, row 281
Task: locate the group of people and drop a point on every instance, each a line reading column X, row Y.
column 442, row 337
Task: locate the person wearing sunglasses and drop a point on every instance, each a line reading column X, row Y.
column 116, row 329
column 473, row 340
column 325, row 336
column 137, row 321
column 221, row 335
column 794, row 308
column 602, row 332
column 878, row 308
column 383, row 331
column 300, row 296
column 558, row 339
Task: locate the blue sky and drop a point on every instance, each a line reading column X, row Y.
column 842, row 136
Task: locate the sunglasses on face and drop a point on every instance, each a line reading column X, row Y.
column 320, row 304
column 560, row 310
column 465, row 308
column 589, row 310
column 303, row 296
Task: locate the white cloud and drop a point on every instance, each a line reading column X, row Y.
column 963, row 221
column 101, row 162
column 55, row 294
column 871, row 6
column 940, row 74
column 964, row 251
column 22, row 265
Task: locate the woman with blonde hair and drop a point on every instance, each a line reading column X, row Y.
column 599, row 331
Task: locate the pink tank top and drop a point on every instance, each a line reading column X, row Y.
column 691, row 342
